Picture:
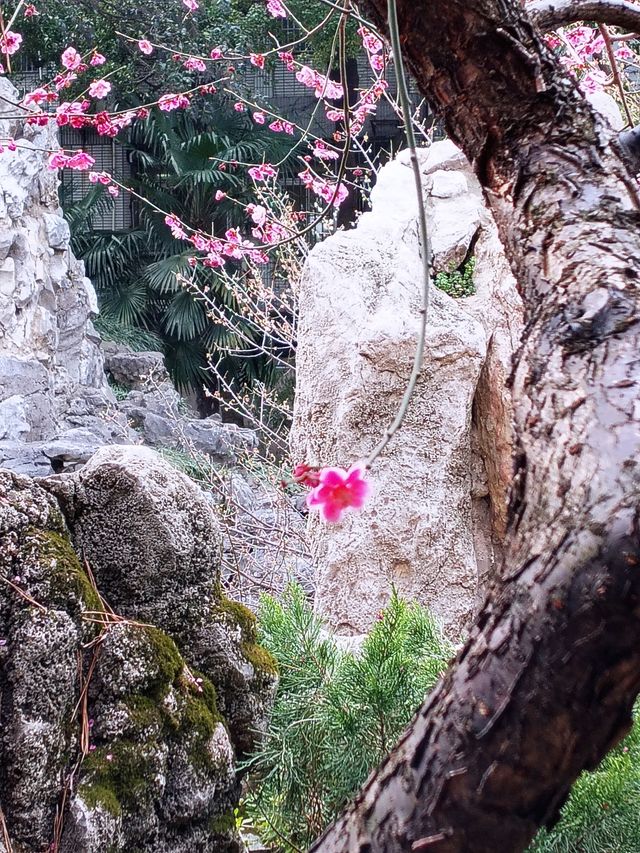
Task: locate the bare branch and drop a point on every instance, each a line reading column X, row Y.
column 549, row 14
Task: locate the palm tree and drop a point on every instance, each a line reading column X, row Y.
column 180, row 160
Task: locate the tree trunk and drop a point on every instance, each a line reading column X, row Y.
column 546, row 682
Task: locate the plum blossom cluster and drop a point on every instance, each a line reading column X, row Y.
column 79, row 160
column 373, row 47
column 216, row 250
column 106, row 180
column 581, row 49
column 333, row 490
column 333, row 194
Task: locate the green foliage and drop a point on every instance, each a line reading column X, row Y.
column 458, row 283
column 601, row 814
column 136, row 273
column 337, row 713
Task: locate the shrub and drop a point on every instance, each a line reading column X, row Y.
column 337, row 712
column 601, row 814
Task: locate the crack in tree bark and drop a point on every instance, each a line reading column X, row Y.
column 545, row 684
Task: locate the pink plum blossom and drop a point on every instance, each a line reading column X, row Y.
column 99, row 88
column 81, row 161
column 338, row 491
column 259, row 118
column 191, row 5
column 276, row 9
column 216, row 53
column 593, row 81
column 257, row 59
column 10, row 42
column 30, row 11
column 220, row 195
column 97, row 59
column 71, row 59
column 145, row 46
column 258, row 213
column 261, row 173
column 194, row 64
column 171, row 101
column 57, row 160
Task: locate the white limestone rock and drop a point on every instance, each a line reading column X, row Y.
column 427, row 528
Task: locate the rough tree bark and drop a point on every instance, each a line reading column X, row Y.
column 546, row 682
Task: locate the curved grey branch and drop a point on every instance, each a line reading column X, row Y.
column 549, row 14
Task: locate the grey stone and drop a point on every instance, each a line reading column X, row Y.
column 154, row 546
column 159, row 775
column 135, row 370
column 13, row 418
column 25, row 458
column 57, row 230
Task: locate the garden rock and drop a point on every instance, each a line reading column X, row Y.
column 432, row 525
column 150, row 752
column 154, row 546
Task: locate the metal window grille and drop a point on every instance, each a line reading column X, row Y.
column 111, row 157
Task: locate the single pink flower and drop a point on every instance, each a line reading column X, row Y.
column 216, row 53
column 259, row 118
column 10, row 42
column 30, row 11
column 257, row 59
column 145, row 46
column 58, row 160
column 97, row 59
column 239, row 107
column 113, row 191
column 71, row 59
column 99, row 88
column 276, row 9
column 191, row 5
column 220, row 195
column 81, row 161
column 338, row 491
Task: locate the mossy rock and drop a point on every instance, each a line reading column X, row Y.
column 66, row 581
column 118, row 776
column 260, row 659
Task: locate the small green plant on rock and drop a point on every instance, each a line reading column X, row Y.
column 337, row 712
column 458, row 283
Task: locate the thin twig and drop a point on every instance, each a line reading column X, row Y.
column 425, row 244
column 613, row 62
column 5, row 833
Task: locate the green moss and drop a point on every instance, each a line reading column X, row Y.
column 165, row 661
column 458, row 283
column 95, row 795
column 67, row 578
column 144, row 714
column 260, row 659
column 199, row 719
column 118, row 776
column 242, row 616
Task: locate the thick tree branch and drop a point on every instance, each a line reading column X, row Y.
column 550, row 14
column 547, row 680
